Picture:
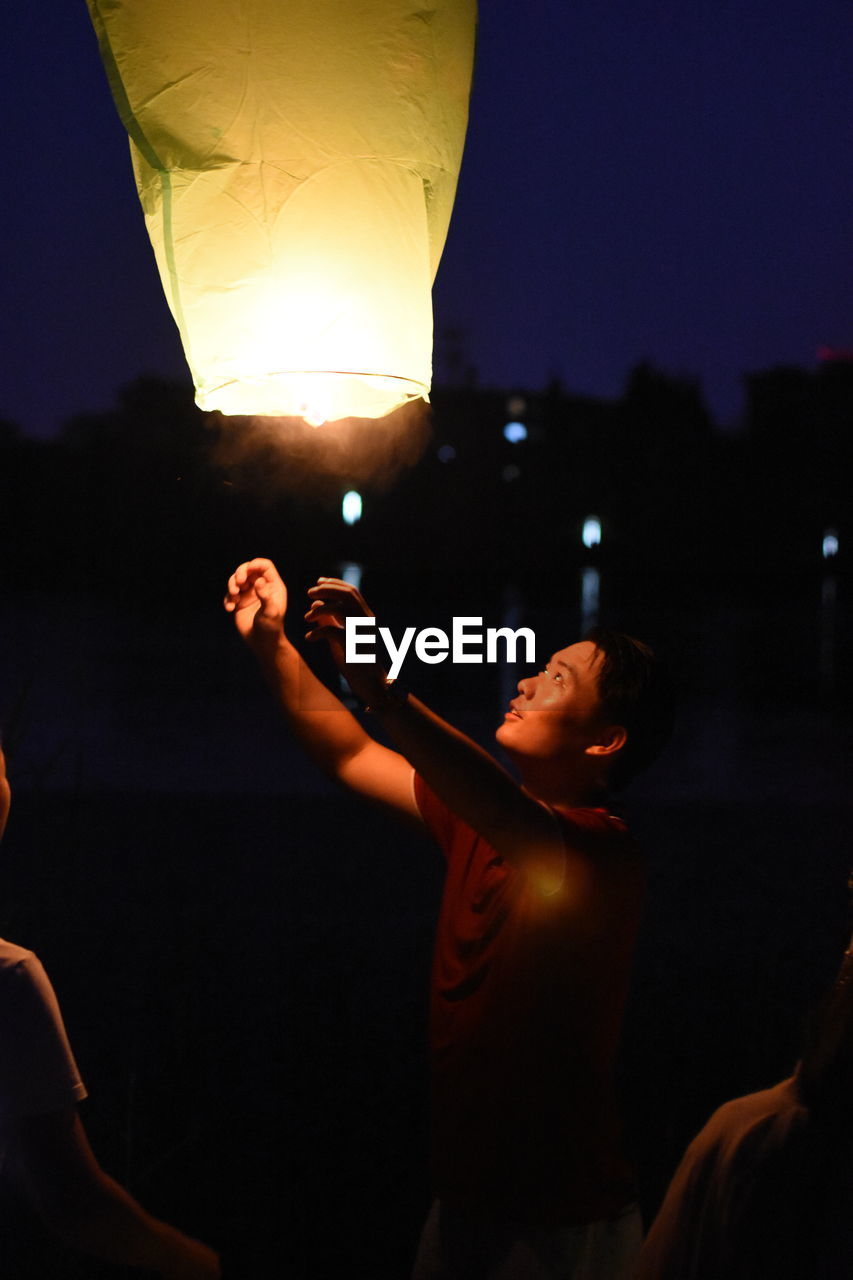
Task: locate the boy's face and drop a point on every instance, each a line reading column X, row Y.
column 559, row 709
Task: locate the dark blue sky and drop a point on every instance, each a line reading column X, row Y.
column 666, row 180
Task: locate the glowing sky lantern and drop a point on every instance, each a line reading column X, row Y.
column 297, row 162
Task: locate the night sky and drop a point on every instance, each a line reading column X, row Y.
column 666, row 181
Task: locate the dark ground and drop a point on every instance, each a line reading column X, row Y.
column 246, row 988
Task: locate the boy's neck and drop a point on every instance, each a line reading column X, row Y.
column 560, row 794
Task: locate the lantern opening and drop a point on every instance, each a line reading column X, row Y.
column 316, row 396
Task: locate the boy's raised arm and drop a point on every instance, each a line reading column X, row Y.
column 257, row 597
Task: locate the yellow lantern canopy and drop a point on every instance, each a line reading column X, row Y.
column 297, row 162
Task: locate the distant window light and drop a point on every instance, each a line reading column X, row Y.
column 510, row 473
column 591, row 536
column 516, row 406
column 515, row 431
column 351, row 572
column 830, row 544
column 351, row 507
column 446, row 453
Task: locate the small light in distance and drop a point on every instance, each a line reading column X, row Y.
column 351, row 507
column 446, row 453
column 516, row 405
column 514, row 432
column 591, row 536
column 830, row 544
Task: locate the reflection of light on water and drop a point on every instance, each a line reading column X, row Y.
column 351, row 572
column 590, row 592
column 826, row 652
column 830, row 544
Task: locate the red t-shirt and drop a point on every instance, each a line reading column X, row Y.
column 527, row 997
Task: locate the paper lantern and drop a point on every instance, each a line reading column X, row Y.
column 297, row 162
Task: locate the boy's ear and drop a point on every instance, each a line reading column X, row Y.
column 609, row 741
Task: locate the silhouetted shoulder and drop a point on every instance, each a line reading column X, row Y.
column 37, row 1068
column 11, row 956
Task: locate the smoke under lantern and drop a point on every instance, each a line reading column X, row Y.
column 296, row 162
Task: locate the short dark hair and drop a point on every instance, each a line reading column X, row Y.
column 635, row 691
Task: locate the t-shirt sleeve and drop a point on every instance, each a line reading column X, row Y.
column 440, row 821
column 37, row 1068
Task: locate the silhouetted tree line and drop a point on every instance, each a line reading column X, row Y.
column 151, row 500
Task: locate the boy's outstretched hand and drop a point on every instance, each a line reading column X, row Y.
column 332, row 602
column 257, row 597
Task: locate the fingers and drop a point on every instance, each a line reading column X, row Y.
column 257, row 582
column 244, row 581
column 265, row 591
column 343, row 594
column 333, row 586
column 317, row 608
column 322, row 617
column 328, row 631
column 250, row 569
